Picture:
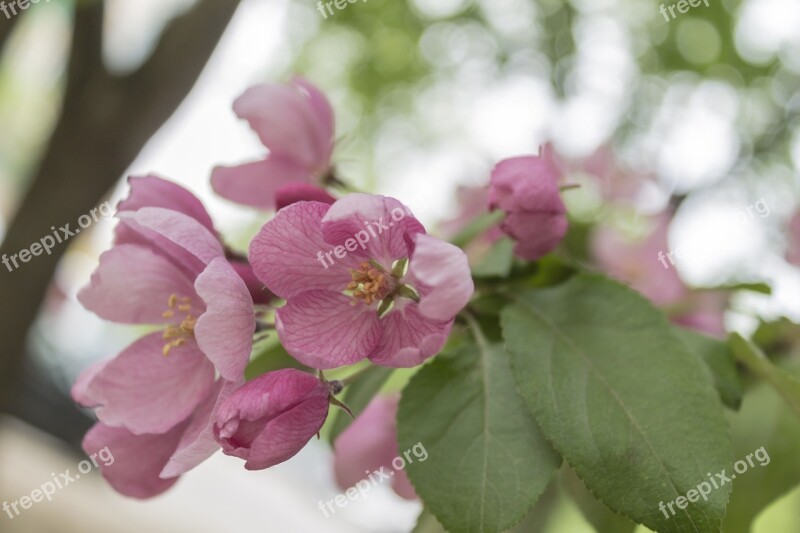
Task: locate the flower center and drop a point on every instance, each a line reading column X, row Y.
column 177, row 335
column 370, row 284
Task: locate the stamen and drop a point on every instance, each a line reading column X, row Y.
column 180, row 334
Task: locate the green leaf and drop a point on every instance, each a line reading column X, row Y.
column 476, row 227
column 596, row 513
column 357, row 396
column 764, row 420
column 753, row 358
column 758, row 287
column 270, row 356
column 498, row 260
column 621, row 398
column 488, row 461
column 721, row 362
column 427, row 523
column 540, row 515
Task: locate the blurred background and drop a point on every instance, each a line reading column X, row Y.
column 701, row 112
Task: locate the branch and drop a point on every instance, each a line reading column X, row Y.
column 104, row 123
column 7, row 28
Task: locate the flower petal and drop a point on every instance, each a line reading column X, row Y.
column 225, row 331
column 283, row 118
column 298, row 191
column 443, row 270
column 382, row 223
column 131, row 463
column 181, row 229
column 368, row 443
column 145, row 391
column 132, row 285
column 323, row 117
column 128, row 231
column 255, row 184
column 152, row 191
column 322, row 330
column 537, row 233
column 286, row 253
column 288, row 433
column 197, row 443
column 79, row 388
column 409, row 338
column 258, row 292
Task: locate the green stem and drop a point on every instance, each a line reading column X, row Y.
column 754, row 359
column 477, row 227
column 349, row 380
column 475, row 328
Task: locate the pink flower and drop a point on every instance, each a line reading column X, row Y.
column 152, row 191
column 639, row 262
column 369, row 444
column 793, row 252
column 272, row 417
column 362, row 280
column 295, row 122
column 167, row 269
column 146, row 465
column 526, row 188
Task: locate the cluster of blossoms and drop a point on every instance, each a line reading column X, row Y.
column 177, row 395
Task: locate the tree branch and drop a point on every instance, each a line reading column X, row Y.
column 104, row 123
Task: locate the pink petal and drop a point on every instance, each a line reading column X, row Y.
column 285, row 254
column 128, row 231
column 258, row 292
column 131, row 463
column 181, row 229
column 283, row 117
column 272, row 417
column 79, row 388
column 537, row 233
column 528, row 183
column 145, row 391
column 381, row 223
column 409, row 338
column 132, row 285
column 152, row 191
column 197, row 443
column 322, row 330
column 443, row 270
column 368, row 443
column 298, row 191
column 256, row 184
column 286, row 434
column 323, row 117
column 225, row 331
column 403, row 487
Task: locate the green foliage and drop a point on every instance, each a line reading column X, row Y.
column 621, row 398
column 488, row 461
column 764, row 420
column 751, row 356
column 268, row 357
column 357, row 396
column 596, row 513
column 721, row 362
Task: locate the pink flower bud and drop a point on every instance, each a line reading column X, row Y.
column 272, row 417
column 526, row 188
